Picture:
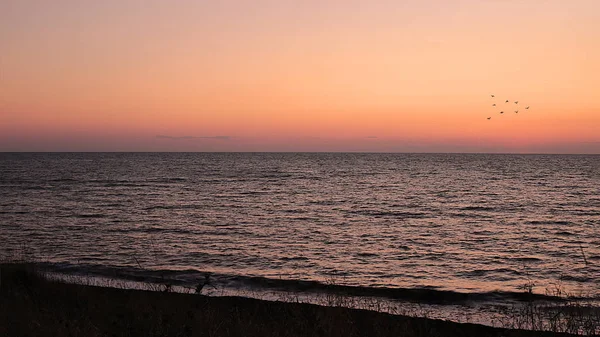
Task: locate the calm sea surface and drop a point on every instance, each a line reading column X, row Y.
column 465, row 223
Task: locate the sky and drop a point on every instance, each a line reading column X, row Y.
column 280, row 75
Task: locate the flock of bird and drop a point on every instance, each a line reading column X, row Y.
column 507, row 101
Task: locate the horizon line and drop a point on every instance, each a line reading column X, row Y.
column 309, row 152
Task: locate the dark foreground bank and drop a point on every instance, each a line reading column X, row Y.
column 33, row 306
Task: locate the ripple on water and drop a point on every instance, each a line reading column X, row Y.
column 477, row 222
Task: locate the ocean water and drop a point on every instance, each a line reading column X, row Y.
column 372, row 224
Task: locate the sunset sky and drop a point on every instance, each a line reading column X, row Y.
column 278, row 75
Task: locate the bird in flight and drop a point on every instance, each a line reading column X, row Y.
column 506, row 101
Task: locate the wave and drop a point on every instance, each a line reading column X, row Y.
column 190, row 277
column 548, row 222
column 477, row 273
column 478, row 208
column 527, row 259
column 366, row 254
column 472, row 215
column 294, row 258
column 149, row 229
column 324, row 202
column 90, row 216
column 564, row 233
column 398, row 214
column 174, row 207
column 125, row 185
column 577, row 278
column 63, row 180
column 14, row 212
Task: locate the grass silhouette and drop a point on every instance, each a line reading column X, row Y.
column 35, row 305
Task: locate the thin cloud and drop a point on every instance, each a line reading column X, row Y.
column 372, row 137
column 193, row 137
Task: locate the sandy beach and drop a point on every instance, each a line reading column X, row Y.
column 34, row 306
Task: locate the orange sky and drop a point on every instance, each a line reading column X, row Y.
column 398, row 76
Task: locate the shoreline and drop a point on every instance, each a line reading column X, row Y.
column 493, row 308
column 189, row 278
column 36, row 306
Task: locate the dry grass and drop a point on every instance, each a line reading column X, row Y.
column 573, row 313
column 33, row 305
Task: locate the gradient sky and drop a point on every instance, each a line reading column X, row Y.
column 267, row 75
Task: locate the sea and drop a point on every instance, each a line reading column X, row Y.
column 459, row 231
